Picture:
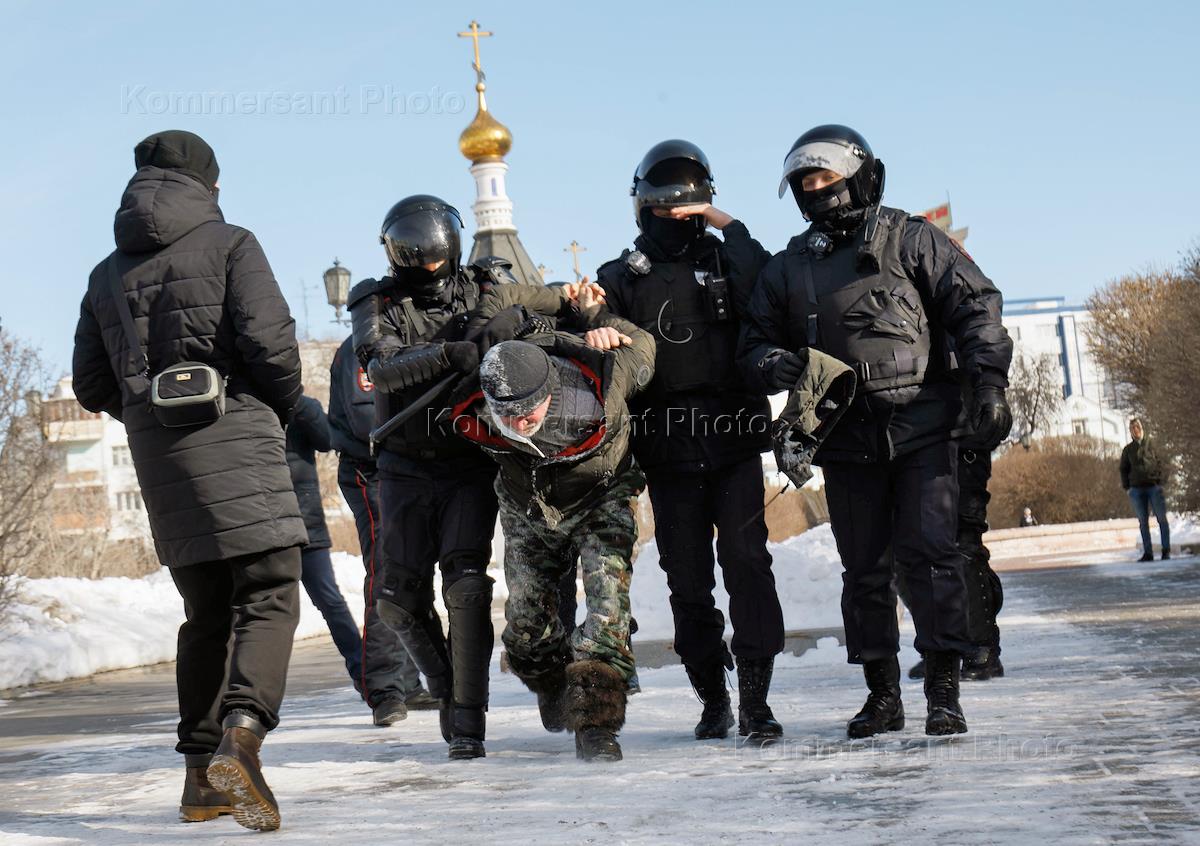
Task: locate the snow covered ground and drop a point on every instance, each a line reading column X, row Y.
column 1092, row 738
column 69, row 628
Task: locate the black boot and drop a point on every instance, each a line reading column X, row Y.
column 467, row 730
column 977, row 666
column 883, row 710
column 201, row 801
column 995, row 668
column 1166, row 553
column 236, row 771
column 918, row 670
column 1148, row 555
column 756, row 722
column 945, row 715
column 595, row 709
column 469, row 613
column 708, row 680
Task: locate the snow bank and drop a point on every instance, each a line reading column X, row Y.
column 69, row 628
column 808, row 577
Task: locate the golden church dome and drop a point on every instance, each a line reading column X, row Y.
column 485, row 139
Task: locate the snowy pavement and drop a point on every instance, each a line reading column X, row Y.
column 1094, row 737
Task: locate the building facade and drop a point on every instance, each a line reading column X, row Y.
column 1047, row 326
column 97, row 488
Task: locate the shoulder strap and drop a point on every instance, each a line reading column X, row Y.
column 121, row 303
column 810, row 293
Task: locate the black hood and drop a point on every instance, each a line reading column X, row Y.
column 159, row 207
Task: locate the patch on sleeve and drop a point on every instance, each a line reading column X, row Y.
column 364, row 384
column 958, row 246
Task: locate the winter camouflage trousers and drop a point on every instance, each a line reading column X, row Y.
column 537, row 557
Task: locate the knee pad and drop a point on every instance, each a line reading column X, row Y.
column 474, row 591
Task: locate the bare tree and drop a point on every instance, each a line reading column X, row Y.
column 1126, row 317
column 1145, row 331
column 27, row 460
column 1035, row 394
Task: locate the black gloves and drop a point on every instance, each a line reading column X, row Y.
column 992, row 419
column 463, row 356
column 512, row 323
column 784, row 372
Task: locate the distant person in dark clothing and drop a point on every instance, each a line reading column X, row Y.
column 222, row 509
column 1142, row 471
column 390, row 681
column 308, row 434
column 1027, row 519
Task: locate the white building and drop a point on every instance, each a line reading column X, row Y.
column 1049, row 327
column 98, row 488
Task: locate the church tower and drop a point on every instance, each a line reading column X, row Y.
column 485, row 142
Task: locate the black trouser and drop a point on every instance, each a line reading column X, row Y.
column 906, row 508
column 985, row 596
column 388, row 672
column 234, row 649
column 687, row 506
column 436, row 513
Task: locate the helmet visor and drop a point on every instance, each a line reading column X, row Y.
column 842, row 159
column 423, row 238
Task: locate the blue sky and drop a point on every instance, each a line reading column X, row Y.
column 1064, row 133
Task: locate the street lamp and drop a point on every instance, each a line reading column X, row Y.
column 337, row 288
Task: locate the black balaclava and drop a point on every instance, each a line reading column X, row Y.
column 672, row 238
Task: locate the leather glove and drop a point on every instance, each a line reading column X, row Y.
column 784, row 372
column 462, row 355
column 992, row 419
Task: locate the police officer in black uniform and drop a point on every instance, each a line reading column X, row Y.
column 903, row 305
column 436, row 489
column 699, row 432
column 390, row 681
column 985, row 593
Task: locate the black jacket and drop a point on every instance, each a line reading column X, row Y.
column 200, row 290
column 697, row 412
column 351, row 405
column 963, row 309
column 1141, row 464
column 391, row 332
column 308, row 434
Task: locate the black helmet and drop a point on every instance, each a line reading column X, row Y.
column 842, row 150
column 673, row 173
column 419, row 230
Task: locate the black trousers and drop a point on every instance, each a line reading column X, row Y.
column 985, row 596
column 387, row 670
column 906, row 509
column 440, row 515
column 234, row 648
column 687, row 506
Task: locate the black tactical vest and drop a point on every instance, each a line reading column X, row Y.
column 426, row 435
column 690, row 315
column 862, row 308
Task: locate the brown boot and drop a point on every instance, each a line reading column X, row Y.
column 201, row 801
column 595, row 709
column 235, row 770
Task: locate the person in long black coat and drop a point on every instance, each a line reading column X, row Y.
column 222, row 510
